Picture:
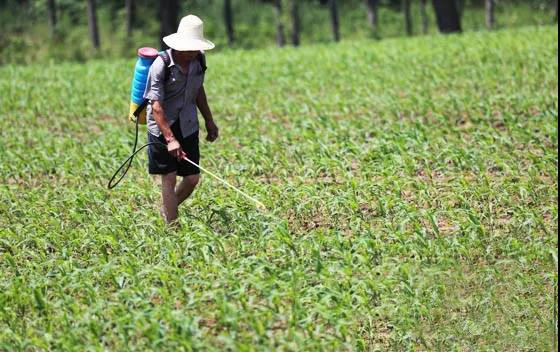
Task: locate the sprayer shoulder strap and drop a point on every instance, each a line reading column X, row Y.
column 202, row 61
column 166, row 60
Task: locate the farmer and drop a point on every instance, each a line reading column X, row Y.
column 174, row 93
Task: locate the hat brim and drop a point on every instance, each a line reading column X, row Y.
column 180, row 43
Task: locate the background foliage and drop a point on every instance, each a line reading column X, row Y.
column 25, row 38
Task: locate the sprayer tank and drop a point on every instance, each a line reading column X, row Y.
column 146, row 57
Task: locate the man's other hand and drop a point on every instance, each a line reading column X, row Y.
column 213, row 131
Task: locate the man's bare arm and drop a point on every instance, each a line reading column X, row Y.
column 202, row 104
column 173, row 145
column 161, row 121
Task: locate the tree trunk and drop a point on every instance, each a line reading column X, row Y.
column 424, row 15
column 490, row 19
column 296, row 23
column 228, row 18
column 335, row 20
column 373, row 15
column 168, row 12
column 407, row 17
column 461, row 5
column 51, row 10
column 447, row 14
column 130, row 14
column 92, row 21
column 280, row 36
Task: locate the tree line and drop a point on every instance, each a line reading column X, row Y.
column 447, row 14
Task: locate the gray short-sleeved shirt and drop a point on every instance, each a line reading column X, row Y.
column 179, row 101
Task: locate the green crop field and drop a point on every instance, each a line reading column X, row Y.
column 411, row 192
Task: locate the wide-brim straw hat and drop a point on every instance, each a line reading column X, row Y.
column 189, row 36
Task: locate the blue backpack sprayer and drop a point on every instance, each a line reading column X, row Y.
column 146, row 57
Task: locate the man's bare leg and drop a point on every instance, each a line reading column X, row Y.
column 170, row 203
column 186, row 188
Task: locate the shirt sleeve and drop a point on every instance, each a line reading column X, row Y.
column 156, row 81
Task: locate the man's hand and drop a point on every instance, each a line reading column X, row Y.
column 213, row 131
column 174, row 148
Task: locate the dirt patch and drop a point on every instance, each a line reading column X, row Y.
column 317, row 220
column 377, row 335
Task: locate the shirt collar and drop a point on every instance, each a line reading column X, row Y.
column 171, row 61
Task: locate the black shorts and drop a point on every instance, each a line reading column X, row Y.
column 160, row 162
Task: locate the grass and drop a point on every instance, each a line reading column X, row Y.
column 412, row 188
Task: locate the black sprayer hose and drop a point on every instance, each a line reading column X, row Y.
column 128, row 162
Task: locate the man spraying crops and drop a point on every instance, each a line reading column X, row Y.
column 175, row 89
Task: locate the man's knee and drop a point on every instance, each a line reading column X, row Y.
column 193, row 180
column 169, row 179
